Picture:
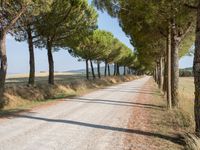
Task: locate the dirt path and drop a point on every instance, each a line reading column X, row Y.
column 97, row 121
column 156, row 128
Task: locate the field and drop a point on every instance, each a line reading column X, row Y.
column 43, row 77
column 19, row 96
column 186, row 90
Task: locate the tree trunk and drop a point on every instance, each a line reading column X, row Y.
column 196, row 67
column 51, row 62
column 114, row 70
column 3, row 65
column 105, row 72
column 108, row 70
column 87, row 69
column 154, row 74
column 98, row 70
column 175, row 66
column 124, row 70
column 165, row 74
column 169, row 91
column 161, row 74
column 92, row 68
column 118, row 73
column 157, row 72
column 32, row 58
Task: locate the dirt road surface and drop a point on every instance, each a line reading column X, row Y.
column 96, row 121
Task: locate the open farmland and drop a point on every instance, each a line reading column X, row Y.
column 186, row 90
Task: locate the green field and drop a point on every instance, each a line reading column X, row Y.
column 186, row 91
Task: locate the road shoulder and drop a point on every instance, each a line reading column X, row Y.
column 154, row 129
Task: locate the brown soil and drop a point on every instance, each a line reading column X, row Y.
column 155, row 129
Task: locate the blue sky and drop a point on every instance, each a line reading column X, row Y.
column 18, row 57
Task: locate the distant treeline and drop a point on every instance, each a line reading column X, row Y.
column 187, row 72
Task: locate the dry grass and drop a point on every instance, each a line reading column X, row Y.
column 186, row 92
column 22, row 97
column 192, row 142
column 43, row 77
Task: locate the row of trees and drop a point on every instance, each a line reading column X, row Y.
column 45, row 24
column 55, row 24
column 101, row 46
column 161, row 32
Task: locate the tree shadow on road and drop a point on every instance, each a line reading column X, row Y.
column 115, row 102
column 175, row 139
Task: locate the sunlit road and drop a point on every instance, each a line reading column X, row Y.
column 96, row 121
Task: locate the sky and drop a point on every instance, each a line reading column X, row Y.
column 18, row 56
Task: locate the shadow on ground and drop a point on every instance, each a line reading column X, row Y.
column 175, row 139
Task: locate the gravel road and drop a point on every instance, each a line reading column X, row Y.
column 96, row 121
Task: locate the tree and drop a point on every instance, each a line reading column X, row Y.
column 93, row 47
column 196, row 69
column 25, row 31
column 114, row 51
column 63, row 26
column 140, row 19
column 10, row 12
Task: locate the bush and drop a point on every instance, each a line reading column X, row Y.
column 186, row 73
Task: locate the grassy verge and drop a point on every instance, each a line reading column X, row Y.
column 20, row 97
column 186, row 92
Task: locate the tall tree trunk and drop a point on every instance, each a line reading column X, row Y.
column 98, row 70
column 165, row 75
column 161, row 74
column 114, row 70
column 51, row 62
column 3, row 55
column 154, row 74
column 108, row 69
column 87, row 69
column 105, row 72
column 196, row 68
column 32, row 58
column 169, row 91
column 118, row 72
column 157, row 74
column 124, row 70
column 3, row 65
column 92, row 68
column 174, row 65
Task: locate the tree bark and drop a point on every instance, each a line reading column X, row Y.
column 3, row 55
column 157, row 72
column 92, row 68
column 118, row 72
column 51, row 62
column 87, row 69
column 3, row 65
column 105, row 72
column 124, row 70
column 108, row 70
column 196, row 68
column 174, row 65
column 32, row 58
column 165, row 74
column 98, row 70
column 161, row 74
column 169, row 92
column 154, row 74
column 114, row 74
